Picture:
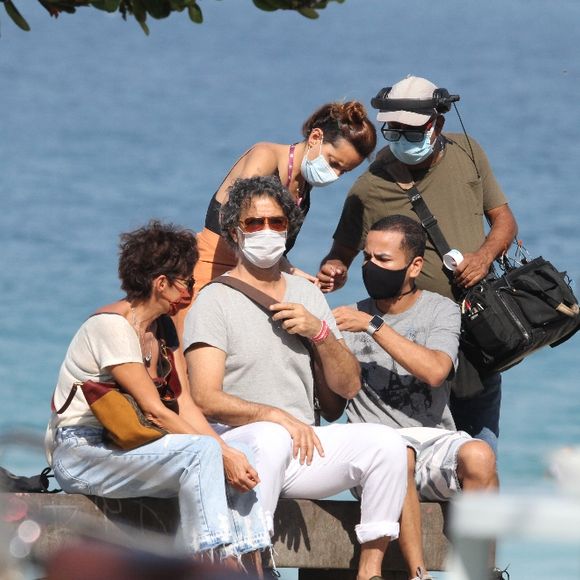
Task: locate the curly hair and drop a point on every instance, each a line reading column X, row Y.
column 344, row 121
column 151, row 251
column 414, row 236
column 240, row 196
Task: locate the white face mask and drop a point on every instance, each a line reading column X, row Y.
column 263, row 248
column 317, row 171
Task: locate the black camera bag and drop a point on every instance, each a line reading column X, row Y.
column 506, row 318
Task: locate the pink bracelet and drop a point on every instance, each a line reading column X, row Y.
column 322, row 333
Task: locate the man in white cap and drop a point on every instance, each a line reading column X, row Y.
column 454, row 177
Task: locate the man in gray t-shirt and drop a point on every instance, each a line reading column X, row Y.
column 391, row 394
column 406, row 341
column 250, row 372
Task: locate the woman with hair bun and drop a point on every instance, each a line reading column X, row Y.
column 337, row 138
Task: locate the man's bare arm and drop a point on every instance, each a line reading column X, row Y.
column 428, row 365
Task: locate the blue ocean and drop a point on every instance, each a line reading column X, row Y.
column 103, row 128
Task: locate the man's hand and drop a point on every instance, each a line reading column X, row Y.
column 238, row 471
column 304, row 439
column 332, row 275
column 296, row 319
column 351, row 319
column 472, row 269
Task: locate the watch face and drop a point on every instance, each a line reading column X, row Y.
column 375, row 323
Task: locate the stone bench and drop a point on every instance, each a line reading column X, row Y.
column 317, row 537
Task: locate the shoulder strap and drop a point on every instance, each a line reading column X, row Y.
column 428, row 220
column 260, row 298
column 290, row 164
column 68, row 401
column 265, row 301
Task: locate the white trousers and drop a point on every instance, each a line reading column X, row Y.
column 363, row 455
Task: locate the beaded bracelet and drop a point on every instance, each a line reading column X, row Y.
column 322, row 333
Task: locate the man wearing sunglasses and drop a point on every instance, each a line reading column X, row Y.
column 454, row 177
column 250, row 371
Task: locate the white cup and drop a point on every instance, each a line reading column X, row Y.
column 452, row 259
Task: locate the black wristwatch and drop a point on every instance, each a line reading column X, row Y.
column 375, row 323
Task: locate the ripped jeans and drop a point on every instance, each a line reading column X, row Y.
column 213, row 516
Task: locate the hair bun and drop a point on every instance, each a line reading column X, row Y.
column 344, row 121
column 351, row 113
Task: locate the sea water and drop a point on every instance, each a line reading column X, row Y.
column 103, row 128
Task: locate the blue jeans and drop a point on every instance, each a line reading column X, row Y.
column 213, row 516
column 479, row 415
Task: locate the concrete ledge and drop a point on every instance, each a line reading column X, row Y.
column 313, row 535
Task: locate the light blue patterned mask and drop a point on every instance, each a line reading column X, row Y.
column 413, row 153
column 317, row 171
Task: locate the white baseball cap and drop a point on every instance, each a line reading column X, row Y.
column 409, row 88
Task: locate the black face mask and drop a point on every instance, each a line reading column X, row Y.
column 382, row 283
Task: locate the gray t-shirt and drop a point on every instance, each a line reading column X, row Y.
column 390, row 395
column 264, row 364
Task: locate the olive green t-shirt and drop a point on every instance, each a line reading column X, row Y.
column 452, row 190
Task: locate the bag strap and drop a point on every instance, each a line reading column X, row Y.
column 265, row 301
column 69, row 399
column 428, row 220
column 402, row 176
column 260, row 298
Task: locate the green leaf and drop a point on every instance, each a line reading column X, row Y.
column 140, row 15
column 144, row 27
column 157, row 8
column 178, row 5
column 308, row 12
column 266, row 5
column 195, row 13
column 16, row 16
column 106, row 5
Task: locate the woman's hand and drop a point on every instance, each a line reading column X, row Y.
column 238, row 471
column 351, row 319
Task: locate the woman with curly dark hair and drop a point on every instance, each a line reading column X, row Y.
column 337, row 138
column 131, row 343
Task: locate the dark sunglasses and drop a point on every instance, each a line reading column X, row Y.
column 411, row 135
column 255, row 224
column 188, row 283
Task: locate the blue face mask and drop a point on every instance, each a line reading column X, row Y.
column 413, row 153
column 317, row 171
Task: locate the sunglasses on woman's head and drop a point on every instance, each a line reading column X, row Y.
column 255, row 224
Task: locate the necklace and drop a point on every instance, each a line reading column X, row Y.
column 147, row 355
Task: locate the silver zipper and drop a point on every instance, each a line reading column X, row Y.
column 520, row 326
